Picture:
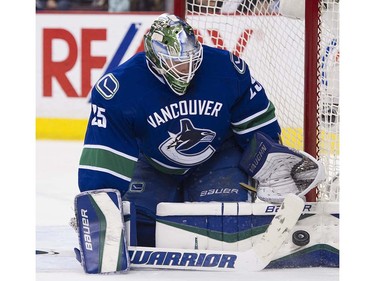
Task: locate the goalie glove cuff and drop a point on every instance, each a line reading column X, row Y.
column 257, row 152
column 280, row 170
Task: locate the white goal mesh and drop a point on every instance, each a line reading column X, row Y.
column 270, row 36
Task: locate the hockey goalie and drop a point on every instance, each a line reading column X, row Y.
column 180, row 122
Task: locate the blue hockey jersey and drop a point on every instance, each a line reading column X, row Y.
column 134, row 111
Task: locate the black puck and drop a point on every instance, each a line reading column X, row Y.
column 301, row 238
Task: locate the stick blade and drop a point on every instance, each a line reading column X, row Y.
column 277, row 232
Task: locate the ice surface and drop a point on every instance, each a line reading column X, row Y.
column 56, row 186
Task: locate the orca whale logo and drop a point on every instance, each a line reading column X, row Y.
column 176, row 146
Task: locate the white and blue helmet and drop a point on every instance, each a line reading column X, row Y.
column 173, row 49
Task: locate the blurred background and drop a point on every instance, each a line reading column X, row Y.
column 105, row 5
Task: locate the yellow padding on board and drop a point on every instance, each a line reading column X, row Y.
column 60, row 129
column 329, row 143
column 292, row 137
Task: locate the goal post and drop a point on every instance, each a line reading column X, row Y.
column 311, row 87
column 292, row 49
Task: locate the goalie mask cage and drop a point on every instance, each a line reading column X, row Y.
column 292, row 49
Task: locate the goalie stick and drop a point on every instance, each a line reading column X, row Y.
column 255, row 259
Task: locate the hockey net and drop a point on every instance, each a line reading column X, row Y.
column 295, row 60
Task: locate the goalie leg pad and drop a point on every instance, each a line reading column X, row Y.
column 101, row 231
column 280, row 170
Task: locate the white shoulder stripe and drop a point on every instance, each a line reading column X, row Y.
column 92, row 168
column 252, row 116
column 255, row 127
column 103, row 147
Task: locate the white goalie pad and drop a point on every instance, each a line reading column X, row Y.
column 101, row 231
column 238, row 226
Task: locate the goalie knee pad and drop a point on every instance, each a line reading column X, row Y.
column 280, row 170
column 101, row 231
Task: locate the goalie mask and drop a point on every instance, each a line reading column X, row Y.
column 174, row 51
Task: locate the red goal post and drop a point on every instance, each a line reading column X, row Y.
column 293, row 50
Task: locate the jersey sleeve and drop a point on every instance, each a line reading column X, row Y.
column 253, row 112
column 110, row 149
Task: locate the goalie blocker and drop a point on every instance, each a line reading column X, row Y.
column 279, row 170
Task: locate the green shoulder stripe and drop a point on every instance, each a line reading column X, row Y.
column 106, row 159
column 249, row 124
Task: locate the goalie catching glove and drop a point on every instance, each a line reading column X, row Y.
column 279, row 170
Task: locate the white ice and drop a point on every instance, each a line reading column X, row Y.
column 56, row 186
